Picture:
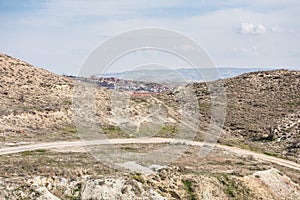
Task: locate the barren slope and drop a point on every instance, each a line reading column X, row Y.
column 263, row 111
column 32, row 99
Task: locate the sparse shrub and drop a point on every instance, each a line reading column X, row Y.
column 70, row 129
column 234, row 189
column 138, row 177
column 35, row 152
column 67, row 102
column 188, row 186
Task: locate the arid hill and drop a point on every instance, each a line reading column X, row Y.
column 263, row 111
column 32, row 100
column 27, row 87
column 36, row 104
column 36, row 107
column 262, row 107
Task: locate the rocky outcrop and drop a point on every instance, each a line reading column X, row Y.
column 167, row 184
column 118, row 189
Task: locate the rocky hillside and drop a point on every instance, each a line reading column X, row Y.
column 35, row 105
column 263, row 111
column 262, row 108
column 32, row 100
column 27, row 87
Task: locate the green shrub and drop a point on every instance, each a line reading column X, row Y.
column 138, row 177
column 188, row 186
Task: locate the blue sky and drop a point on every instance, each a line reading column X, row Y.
column 58, row 35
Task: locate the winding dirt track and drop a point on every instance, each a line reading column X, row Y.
column 80, row 143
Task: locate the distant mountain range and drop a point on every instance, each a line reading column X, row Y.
column 183, row 74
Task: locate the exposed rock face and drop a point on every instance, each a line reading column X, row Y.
column 118, row 189
column 272, row 184
column 45, row 194
column 167, row 184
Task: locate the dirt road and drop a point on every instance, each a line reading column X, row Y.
column 57, row 145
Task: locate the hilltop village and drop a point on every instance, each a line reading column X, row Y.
column 124, row 85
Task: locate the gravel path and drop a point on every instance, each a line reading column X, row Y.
column 58, row 145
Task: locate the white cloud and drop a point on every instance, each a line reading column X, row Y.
column 277, row 29
column 247, row 28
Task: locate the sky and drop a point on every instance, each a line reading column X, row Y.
column 59, row 35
